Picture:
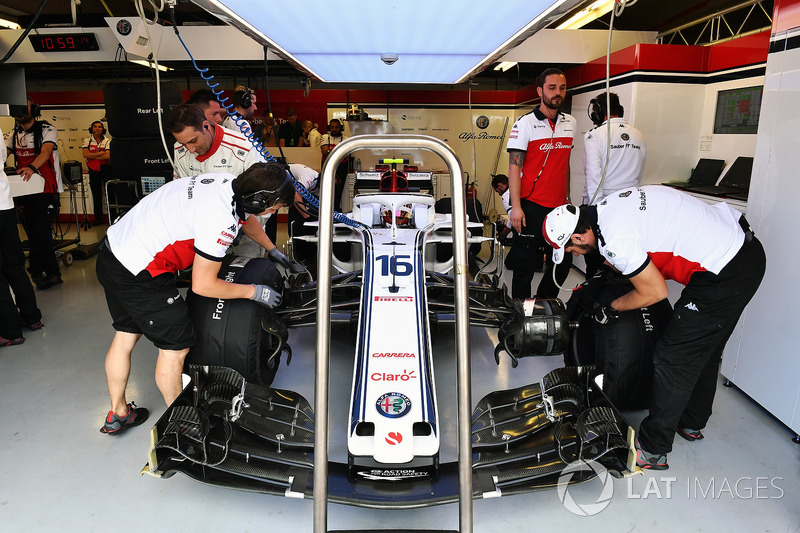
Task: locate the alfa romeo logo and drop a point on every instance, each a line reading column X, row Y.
column 393, row 405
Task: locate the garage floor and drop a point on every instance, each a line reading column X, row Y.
column 62, row 474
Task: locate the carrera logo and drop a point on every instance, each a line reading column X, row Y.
column 394, row 298
column 228, row 235
column 393, row 405
column 393, row 354
column 386, row 376
column 394, row 438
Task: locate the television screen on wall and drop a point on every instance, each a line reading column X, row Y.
column 738, row 110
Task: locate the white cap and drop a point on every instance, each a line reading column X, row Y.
column 558, row 227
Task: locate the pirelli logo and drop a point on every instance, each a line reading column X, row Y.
column 394, row 298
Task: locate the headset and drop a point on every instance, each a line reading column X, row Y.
column 246, row 101
column 97, row 122
column 597, row 108
column 257, row 202
column 36, row 111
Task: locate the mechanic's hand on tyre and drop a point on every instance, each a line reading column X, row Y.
column 266, row 296
column 278, row 257
column 590, row 289
column 605, row 314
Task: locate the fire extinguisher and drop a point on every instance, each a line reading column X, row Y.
column 470, row 190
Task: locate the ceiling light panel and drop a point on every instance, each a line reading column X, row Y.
column 437, row 41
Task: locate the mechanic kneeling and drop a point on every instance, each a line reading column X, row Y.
column 187, row 222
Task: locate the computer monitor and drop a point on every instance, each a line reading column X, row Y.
column 738, row 110
column 13, row 94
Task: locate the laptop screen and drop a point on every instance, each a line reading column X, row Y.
column 739, row 174
column 706, row 172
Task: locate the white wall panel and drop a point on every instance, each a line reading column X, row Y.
column 767, row 366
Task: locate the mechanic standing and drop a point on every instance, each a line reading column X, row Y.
column 626, row 158
column 97, row 152
column 21, row 310
column 539, row 147
column 187, row 222
column 651, row 234
column 203, row 147
column 34, row 145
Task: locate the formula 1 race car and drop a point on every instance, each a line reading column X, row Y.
column 393, row 296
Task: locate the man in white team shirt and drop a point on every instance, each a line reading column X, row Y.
column 626, row 158
column 651, row 234
column 187, row 222
column 627, row 153
column 204, row 147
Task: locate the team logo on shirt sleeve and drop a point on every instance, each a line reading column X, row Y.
column 625, row 137
column 624, row 194
column 206, row 181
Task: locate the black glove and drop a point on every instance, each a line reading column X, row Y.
column 590, row 289
column 266, row 296
column 605, row 313
column 285, row 262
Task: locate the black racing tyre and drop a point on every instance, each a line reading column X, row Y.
column 230, row 333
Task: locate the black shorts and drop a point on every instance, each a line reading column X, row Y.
column 144, row 304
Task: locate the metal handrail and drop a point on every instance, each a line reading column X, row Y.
column 460, row 274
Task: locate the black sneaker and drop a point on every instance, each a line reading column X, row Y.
column 689, row 434
column 115, row 425
column 50, row 281
column 11, row 342
column 650, row 461
column 33, row 326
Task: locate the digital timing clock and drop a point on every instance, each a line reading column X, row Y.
column 64, row 42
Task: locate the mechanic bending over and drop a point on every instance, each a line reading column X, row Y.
column 187, row 222
column 651, row 234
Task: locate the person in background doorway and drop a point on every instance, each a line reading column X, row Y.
column 265, row 131
column 20, row 310
column 539, row 147
column 97, row 152
column 290, row 131
column 312, row 135
column 335, row 136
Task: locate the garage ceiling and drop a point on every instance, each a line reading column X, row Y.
column 643, row 15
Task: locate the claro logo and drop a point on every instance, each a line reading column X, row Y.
column 407, row 375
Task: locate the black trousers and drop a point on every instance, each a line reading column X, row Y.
column 38, row 212
column 13, row 277
column 687, row 357
column 97, row 184
column 531, row 241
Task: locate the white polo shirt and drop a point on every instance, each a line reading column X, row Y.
column 679, row 233
column 626, row 160
column 164, row 231
column 230, row 152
